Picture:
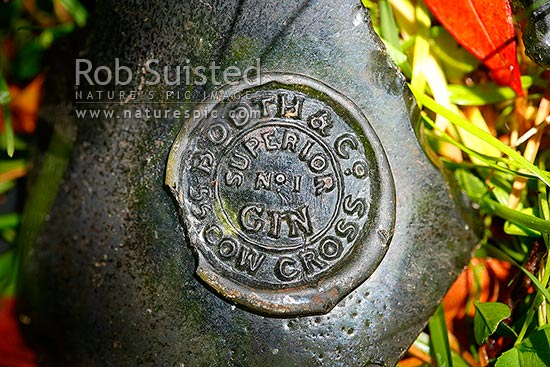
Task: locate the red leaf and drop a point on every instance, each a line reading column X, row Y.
column 13, row 351
column 486, row 29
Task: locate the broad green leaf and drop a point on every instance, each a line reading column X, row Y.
column 487, row 317
column 440, row 349
column 471, row 184
column 408, row 44
column 508, row 359
column 534, row 351
column 458, row 361
column 500, row 186
column 519, row 230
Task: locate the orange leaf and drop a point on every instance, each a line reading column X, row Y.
column 486, row 29
column 24, row 106
column 411, row 362
column 481, row 281
column 13, row 174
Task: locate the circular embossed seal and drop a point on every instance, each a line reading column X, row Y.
column 286, row 194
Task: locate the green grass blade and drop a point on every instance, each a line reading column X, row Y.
column 441, row 349
column 18, row 143
column 4, row 101
column 538, row 285
column 526, row 220
column 478, row 192
column 400, row 59
column 10, row 220
column 466, row 125
column 388, row 27
column 5, row 97
column 9, row 134
column 544, row 206
column 480, row 168
column 490, row 161
column 421, row 46
column 7, row 278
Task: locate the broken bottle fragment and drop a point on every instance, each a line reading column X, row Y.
column 289, row 219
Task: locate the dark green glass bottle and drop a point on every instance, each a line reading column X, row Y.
column 290, row 219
